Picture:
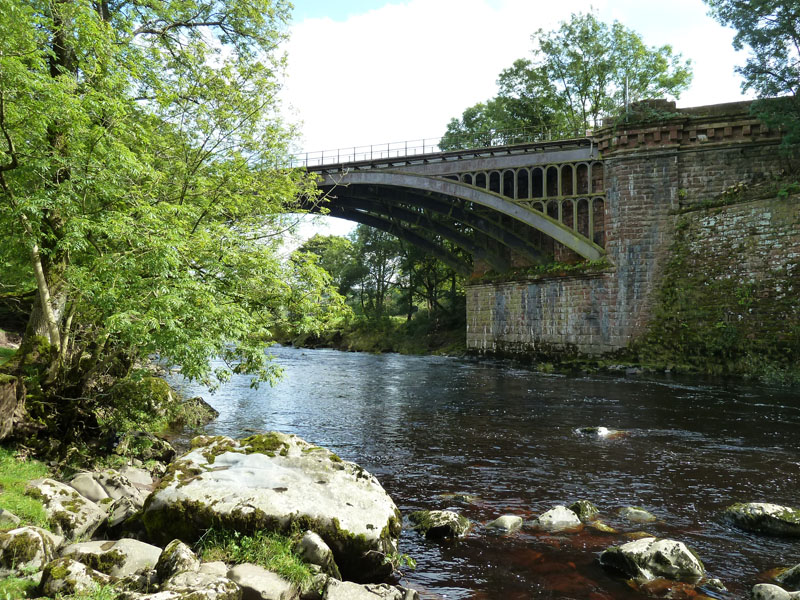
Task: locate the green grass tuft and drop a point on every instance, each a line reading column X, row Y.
column 12, row 588
column 14, row 477
column 5, row 354
column 269, row 550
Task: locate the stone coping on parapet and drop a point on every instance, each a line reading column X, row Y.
column 659, row 125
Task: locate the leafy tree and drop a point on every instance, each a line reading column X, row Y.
column 336, row 254
column 771, row 29
column 580, row 72
column 138, row 150
column 378, row 252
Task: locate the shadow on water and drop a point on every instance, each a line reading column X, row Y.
column 432, row 426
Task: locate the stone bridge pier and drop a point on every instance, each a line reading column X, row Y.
column 653, row 170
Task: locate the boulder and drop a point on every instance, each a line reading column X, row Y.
column 122, row 558
column 314, row 551
column 203, row 586
column 216, row 567
column 601, row 432
column 27, row 548
column 439, row 524
column 259, row 584
column 506, row 523
column 8, row 519
column 70, row 514
column 271, row 481
column 558, row 518
column 176, row 558
column 65, row 576
column 138, row 477
column 790, row 578
column 761, row 517
column 634, row 514
column 102, row 485
column 120, row 511
column 649, row 558
column 585, row 510
column 346, row 590
column 767, row 591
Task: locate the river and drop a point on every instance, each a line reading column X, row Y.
column 432, row 426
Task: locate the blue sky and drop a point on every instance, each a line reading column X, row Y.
column 338, row 11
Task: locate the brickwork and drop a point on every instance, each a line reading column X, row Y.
column 650, row 171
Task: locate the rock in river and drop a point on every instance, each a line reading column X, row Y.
column 649, row 558
column 272, row 481
column 439, row 524
column 767, row 591
column 790, row 578
column 765, row 518
column 558, row 518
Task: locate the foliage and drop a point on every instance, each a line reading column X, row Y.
column 15, row 474
column 579, row 73
column 13, row 588
column 269, row 550
column 771, row 30
column 6, row 353
column 138, row 152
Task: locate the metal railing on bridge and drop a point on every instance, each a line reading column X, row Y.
column 418, row 147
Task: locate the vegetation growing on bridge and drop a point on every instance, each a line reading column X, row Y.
column 581, row 72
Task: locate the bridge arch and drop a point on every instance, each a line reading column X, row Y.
column 546, row 224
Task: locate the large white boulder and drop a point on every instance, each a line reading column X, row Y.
column 70, row 514
column 558, row 518
column 107, row 485
column 346, row 590
column 763, row 517
column 273, row 481
column 649, row 557
column 65, row 577
column 259, row 584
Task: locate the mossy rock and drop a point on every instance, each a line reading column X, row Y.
column 761, row 517
column 585, row 510
column 439, row 524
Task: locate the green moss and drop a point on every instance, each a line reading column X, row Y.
column 265, row 443
column 334, row 458
column 17, row 587
column 19, row 549
column 105, row 562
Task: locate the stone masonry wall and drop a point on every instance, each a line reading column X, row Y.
column 651, row 171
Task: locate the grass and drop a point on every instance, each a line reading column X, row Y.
column 5, row 355
column 14, row 477
column 12, row 588
column 269, row 550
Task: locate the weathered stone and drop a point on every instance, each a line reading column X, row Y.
column 767, row 591
column 635, row 514
column 8, row 519
column 66, row 576
column 439, row 524
column 270, row 481
column 313, row 550
column 27, row 548
column 558, row 518
column 259, row 584
column 790, row 578
column 71, row 514
column 346, row 590
column 121, row 510
column 217, row 568
column 120, row 558
column 649, row 558
column 767, row 518
column 176, row 558
column 602, row 527
column 506, row 523
column 99, row 485
column 585, row 510
column 138, row 477
column 203, row 586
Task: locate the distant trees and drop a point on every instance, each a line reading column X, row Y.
column 382, row 276
column 771, row 29
column 580, row 72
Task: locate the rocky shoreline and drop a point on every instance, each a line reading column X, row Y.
column 139, row 534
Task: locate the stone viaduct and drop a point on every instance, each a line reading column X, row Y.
column 605, row 207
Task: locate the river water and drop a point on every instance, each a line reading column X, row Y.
column 432, row 426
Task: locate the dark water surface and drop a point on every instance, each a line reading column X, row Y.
column 427, row 426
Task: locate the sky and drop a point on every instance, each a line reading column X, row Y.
column 364, row 72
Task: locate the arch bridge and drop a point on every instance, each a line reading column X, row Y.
column 499, row 207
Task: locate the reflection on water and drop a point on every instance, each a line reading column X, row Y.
column 428, row 426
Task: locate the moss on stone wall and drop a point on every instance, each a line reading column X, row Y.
column 727, row 302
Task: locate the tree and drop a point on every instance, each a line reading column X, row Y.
column 771, row 29
column 378, row 252
column 138, row 150
column 337, row 255
column 581, row 72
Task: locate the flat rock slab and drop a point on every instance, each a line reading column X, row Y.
column 763, row 517
column 506, row 523
column 649, row 558
column 272, row 481
column 259, row 584
column 107, row 485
